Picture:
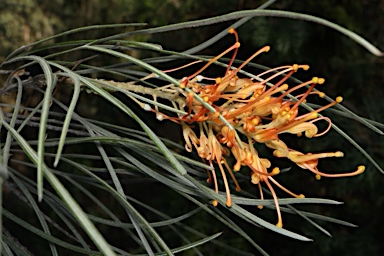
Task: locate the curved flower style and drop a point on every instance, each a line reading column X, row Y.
column 257, row 112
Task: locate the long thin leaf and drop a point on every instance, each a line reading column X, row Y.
column 125, row 203
column 71, row 108
column 49, row 79
column 79, row 214
column 46, row 236
column 253, row 13
column 72, row 31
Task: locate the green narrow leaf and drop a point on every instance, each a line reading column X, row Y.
column 72, row 31
column 49, row 78
column 197, row 243
column 44, row 235
column 124, row 203
column 79, row 214
column 255, row 13
column 67, row 121
column 245, row 214
column 36, row 209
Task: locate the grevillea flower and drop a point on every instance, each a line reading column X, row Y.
column 248, row 112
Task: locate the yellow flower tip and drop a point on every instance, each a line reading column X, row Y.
column 216, row 114
column 339, row 154
column 295, row 67
column 275, row 171
column 231, row 30
column 318, row 177
column 205, row 98
column 236, row 167
column 238, row 189
column 255, row 121
column 267, row 48
column 299, row 134
column 255, row 178
column 218, row 80
column 339, row 99
column 301, row 196
column 229, row 202
column 321, row 81
column 313, row 115
column 279, row 224
column 182, row 85
column 284, row 87
column 360, row 169
column 215, row 203
column 315, row 80
column 321, row 94
column 260, row 207
column 305, row 67
column 237, row 45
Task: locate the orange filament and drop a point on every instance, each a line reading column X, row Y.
column 214, row 179
column 326, row 130
column 234, row 72
column 292, row 69
column 238, row 189
column 232, row 31
column 315, row 81
column 285, row 189
column 261, row 195
column 264, row 49
column 274, row 69
column 184, row 66
column 235, row 46
column 264, row 174
column 224, row 177
column 279, row 219
column 337, row 100
column 189, row 100
column 294, row 89
column 360, row 169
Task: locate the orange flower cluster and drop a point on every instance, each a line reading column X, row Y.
column 246, row 112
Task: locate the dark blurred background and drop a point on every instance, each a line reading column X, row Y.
column 348, row 68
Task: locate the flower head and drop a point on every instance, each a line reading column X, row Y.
column 248, row 112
